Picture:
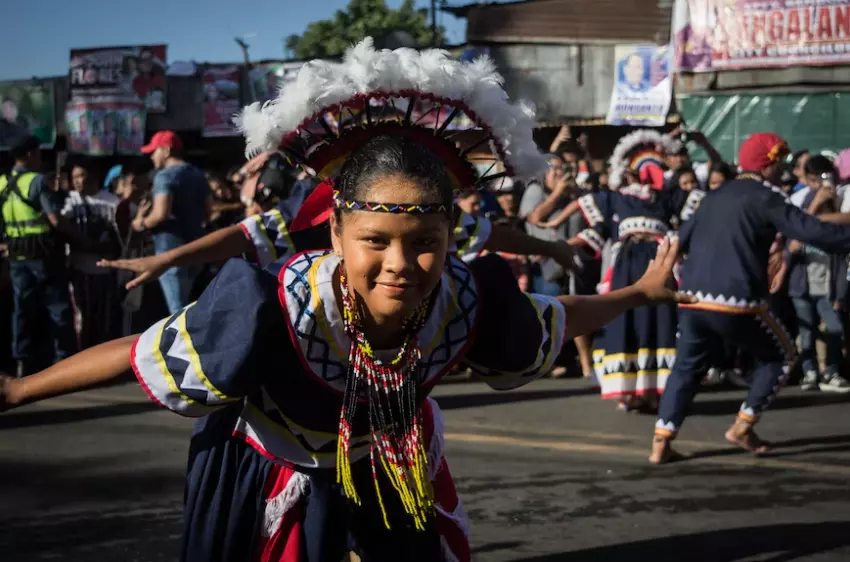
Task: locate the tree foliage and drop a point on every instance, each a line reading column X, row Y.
column 363, row 18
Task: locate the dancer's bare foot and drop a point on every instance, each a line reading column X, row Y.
column 662, row 452
column 742, row 435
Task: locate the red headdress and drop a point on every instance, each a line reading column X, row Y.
column 761, row 150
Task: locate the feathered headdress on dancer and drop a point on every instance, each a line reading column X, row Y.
column 640, row 152
column 328, row 111
column 331, row 108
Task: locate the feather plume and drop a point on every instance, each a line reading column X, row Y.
column 320, row 84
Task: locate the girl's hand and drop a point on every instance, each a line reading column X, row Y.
column 147, row 269
column 655, row 283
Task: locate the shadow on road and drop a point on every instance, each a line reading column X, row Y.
column 119, row 535
column 50, row 417
column 495, row 547
column 493, row 397
column 782, row 542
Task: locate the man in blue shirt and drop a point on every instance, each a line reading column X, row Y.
column 180, row 206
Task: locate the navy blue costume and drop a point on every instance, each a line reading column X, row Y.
column 634, row 353
column 262, row 359
column 726, row 244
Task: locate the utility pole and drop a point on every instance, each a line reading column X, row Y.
column 246, row 68
column 244, row 46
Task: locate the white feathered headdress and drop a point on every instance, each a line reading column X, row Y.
column 636, row 150
column 331, row 108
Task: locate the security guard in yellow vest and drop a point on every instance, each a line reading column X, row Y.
column 36, row 256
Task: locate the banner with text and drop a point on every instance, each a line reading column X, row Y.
column 733, row 34
column 120, row 73
column 26, row 109
column 643, row 88
column 105, row 128
column 221, row 100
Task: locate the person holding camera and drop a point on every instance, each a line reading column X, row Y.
column 817, row 283
column 541, row 202
column 678, row 158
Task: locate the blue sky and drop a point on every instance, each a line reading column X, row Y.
column 37, row 35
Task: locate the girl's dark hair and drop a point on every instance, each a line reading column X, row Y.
column 386, row 155
column 723, row 169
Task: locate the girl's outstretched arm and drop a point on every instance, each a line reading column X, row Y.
column 585, row 315
column 217, row 246
column 84, row 370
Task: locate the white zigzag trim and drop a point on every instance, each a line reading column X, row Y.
column 363, row 70
column 727, row 301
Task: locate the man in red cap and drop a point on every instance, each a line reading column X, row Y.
column 180, row 206
column 727, row 243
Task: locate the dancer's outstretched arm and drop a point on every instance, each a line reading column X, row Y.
column 217, row 246
column 84, row 370
column 587, row 314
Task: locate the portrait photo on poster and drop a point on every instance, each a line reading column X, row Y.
column 643, row 88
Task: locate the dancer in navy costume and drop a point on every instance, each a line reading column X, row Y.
column 311, row 376
column 634, row 353
column 726, row 246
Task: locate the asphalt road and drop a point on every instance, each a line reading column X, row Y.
column 548, row 474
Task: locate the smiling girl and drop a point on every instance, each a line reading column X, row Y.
column 311, row 377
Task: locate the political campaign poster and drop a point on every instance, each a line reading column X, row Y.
column 221, row 100
column 643, row 88
column 26, row 108
column 120, row 73
column 131, row 128
column 105, row 128
column 711, row 35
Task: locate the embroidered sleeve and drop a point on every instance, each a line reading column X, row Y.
column 519, row 335
column 470, row 235
column 270, row 237
column 209, row 354
column 595, row 209
column 691, row 204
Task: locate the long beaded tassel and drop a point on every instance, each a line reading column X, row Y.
column 394, row 426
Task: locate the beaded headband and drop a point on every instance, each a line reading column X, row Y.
column 395, row 208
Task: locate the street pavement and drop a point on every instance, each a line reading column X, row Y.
column 548, row 473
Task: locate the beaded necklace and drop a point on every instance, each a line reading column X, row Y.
column 396, row 442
